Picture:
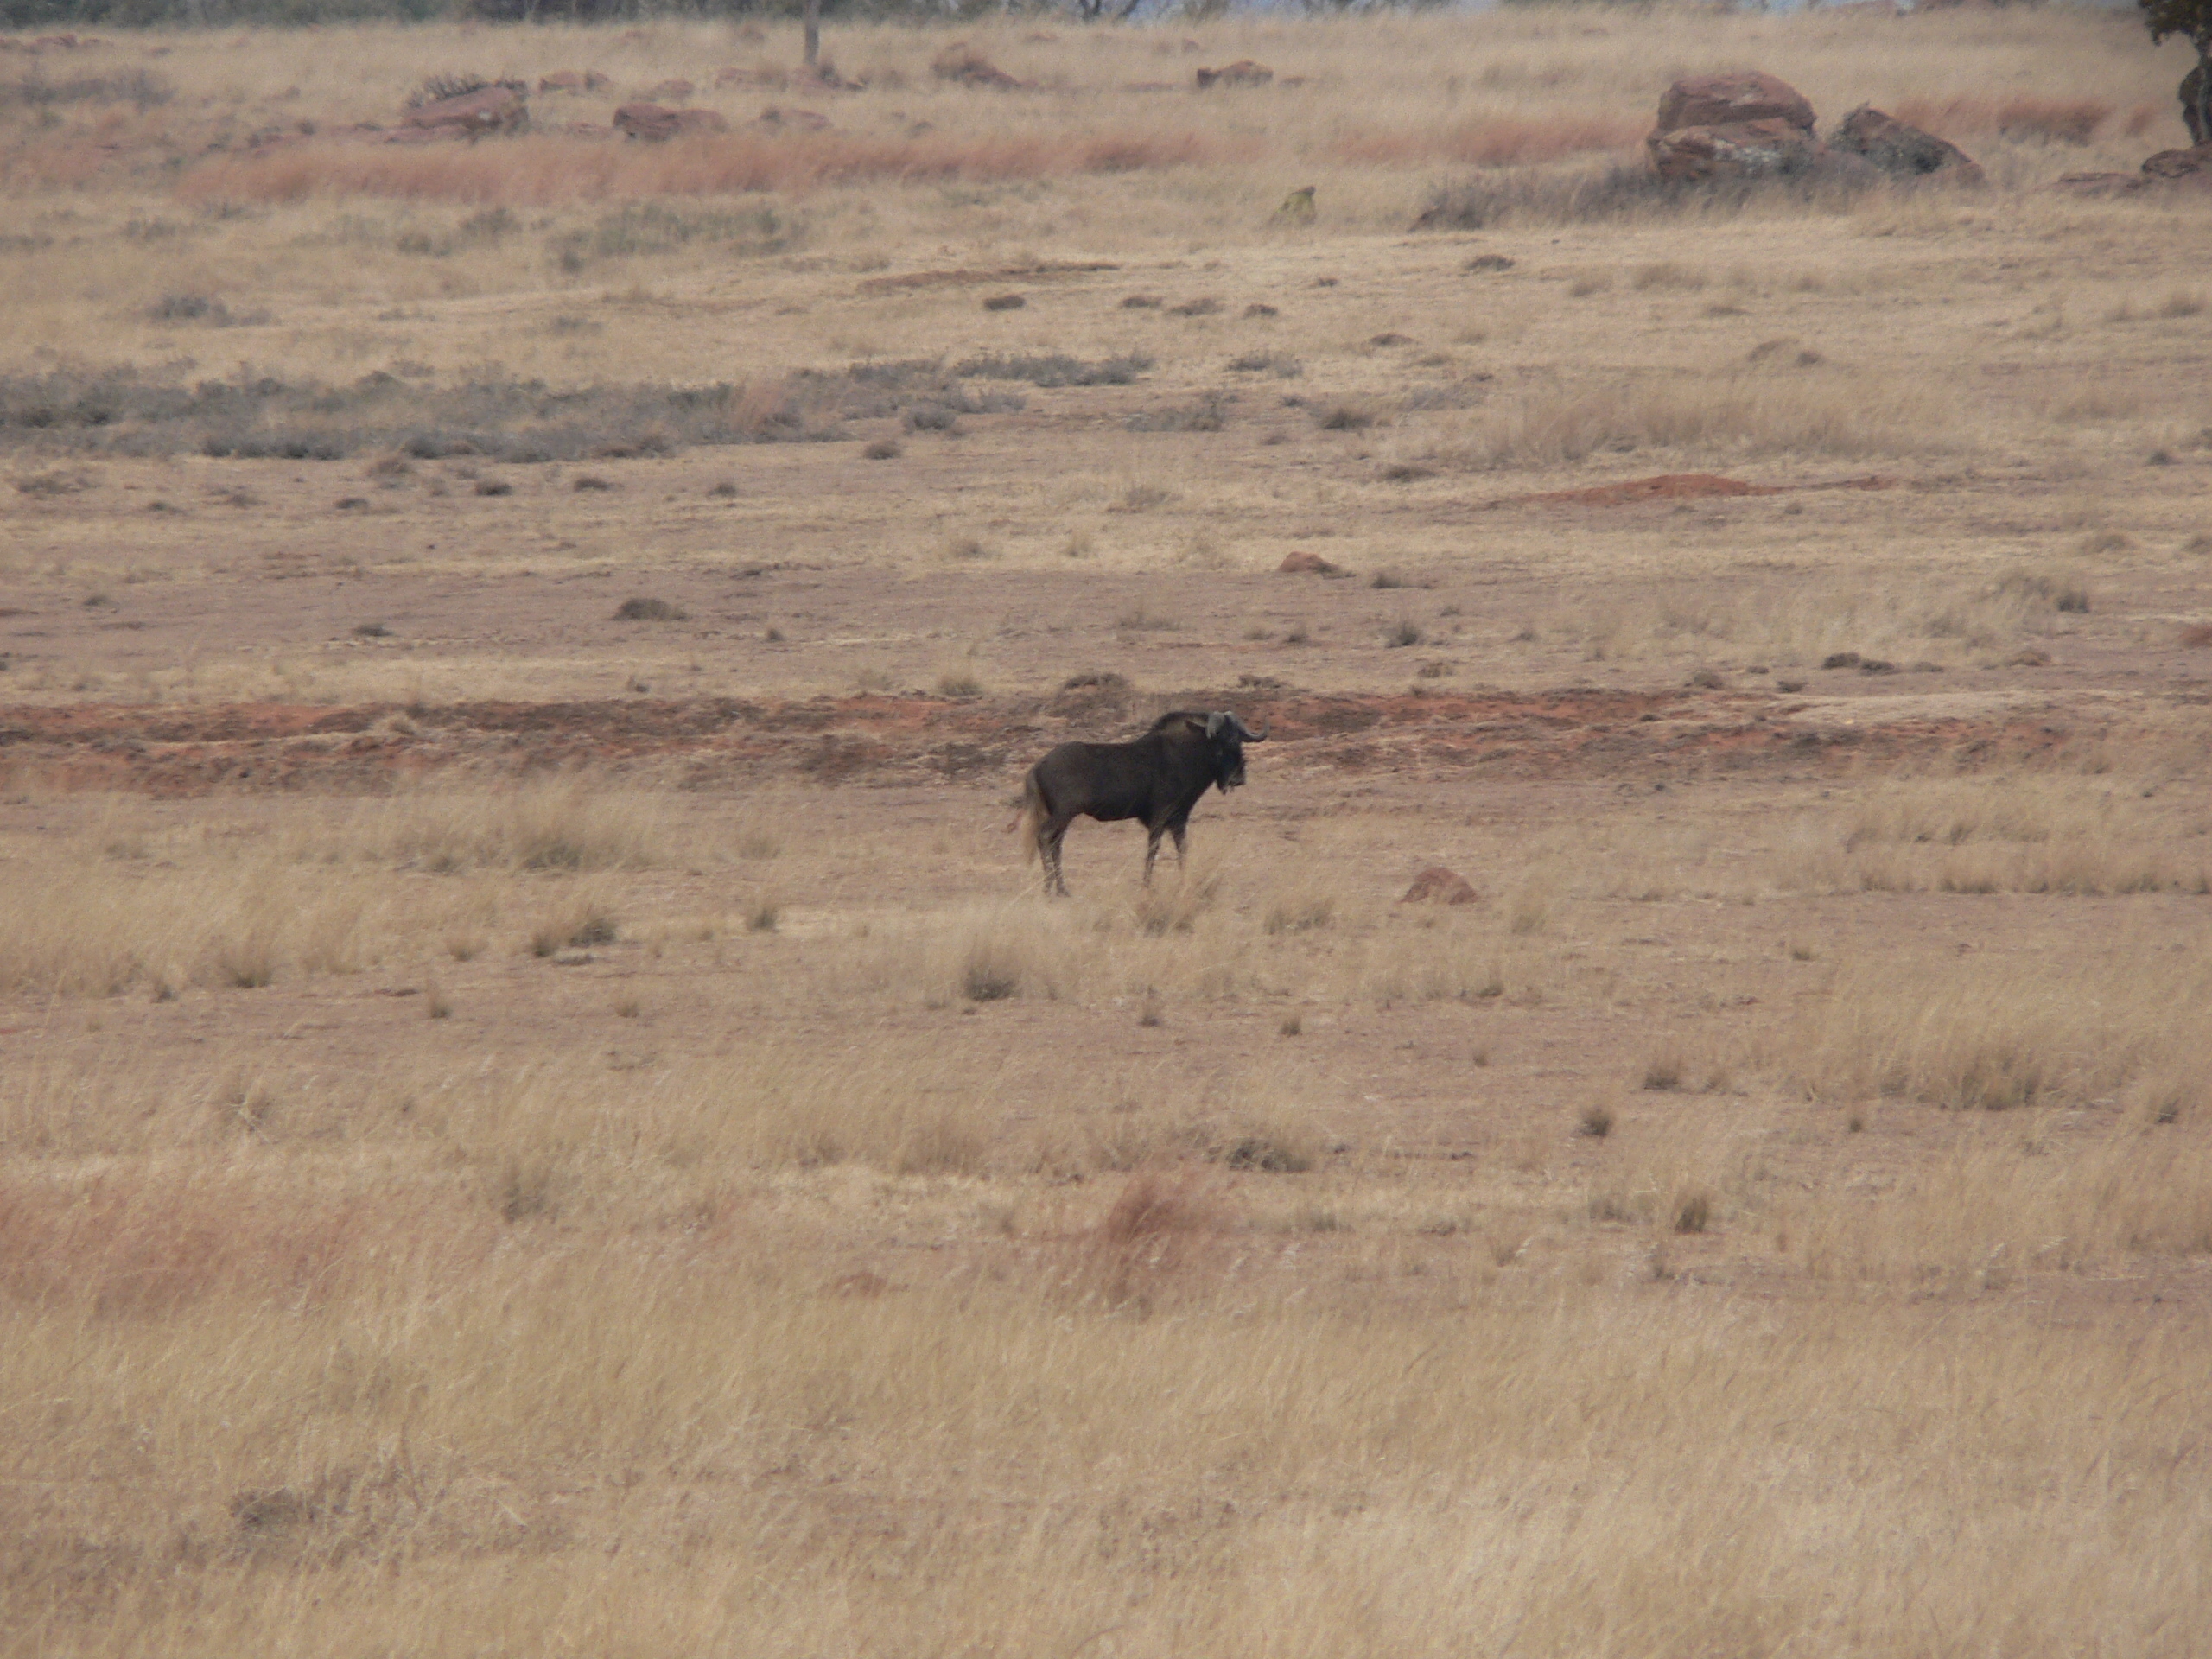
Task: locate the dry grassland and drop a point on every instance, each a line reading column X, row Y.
column 541, row 1111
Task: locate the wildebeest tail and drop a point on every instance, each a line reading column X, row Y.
column 1030, row 817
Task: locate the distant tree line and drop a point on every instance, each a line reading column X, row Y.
column 77, row 14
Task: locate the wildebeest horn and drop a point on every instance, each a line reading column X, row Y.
column 1247, row 733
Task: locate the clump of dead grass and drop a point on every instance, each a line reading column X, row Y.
column 1740, row 413
column 1995, row 1037
column 550, row 169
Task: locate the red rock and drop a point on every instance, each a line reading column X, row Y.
column 963, row 63
column 1902, row 151
column 1304, row 564
column 656, row 124
column 1732, row 99
column 671, row 89
column 2099, row 184
column 488, row 109
column 2191, row 166
column 1242, row 72
column 794, row 120
column 1742, row 149
column 647, row 121
column 1438, row 885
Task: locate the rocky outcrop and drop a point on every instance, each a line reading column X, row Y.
column 1744, row 125
column 794, row 120
column 2191, row 166
column 1741, row 149
column 1731, row 100
column 965, row 65
column 1242, row 72
column 488, row 109
column 1438, row 885
column 1902, row 151
column 656, row 124
column 2170, row 169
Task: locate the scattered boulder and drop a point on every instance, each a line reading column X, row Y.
column 1438, row 885
column 500, row 108
column 961, row 63
column 1772, row 148
column 2098, row 184
column 1302, row 563
column 1902, row 151
column 2190, row 166
column 1242, row 72
column 656, row 124
column 1731, row 100
column 794, row 120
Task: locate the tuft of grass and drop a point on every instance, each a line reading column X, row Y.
column 1209, row 414
column 1266, row 1153
column 649, row 610
column 1340, row 416
column 990, row 974
column 1596, row 1122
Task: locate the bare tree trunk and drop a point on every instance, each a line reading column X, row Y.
column 2201, row 128
column 813, row 33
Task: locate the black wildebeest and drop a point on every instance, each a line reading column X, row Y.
column 1157, row 778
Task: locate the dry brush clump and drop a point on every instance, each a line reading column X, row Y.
column 550, row 169
column 2034, row 833
column 1994, row 1037
column 1729, row 413
column 122, row 411
column 1997, row 1204
column 1630, row 192
column 1905, row 622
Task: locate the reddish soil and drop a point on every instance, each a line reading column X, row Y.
column 1559, row 735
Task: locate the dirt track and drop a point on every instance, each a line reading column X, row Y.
column 1565, row 733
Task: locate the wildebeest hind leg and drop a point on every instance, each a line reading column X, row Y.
column 1048, row 848
column 1151, row 852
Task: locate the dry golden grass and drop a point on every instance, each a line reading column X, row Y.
column 514, row 1298
column 517, row 1181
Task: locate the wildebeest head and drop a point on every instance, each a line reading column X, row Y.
column 1226, row 735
